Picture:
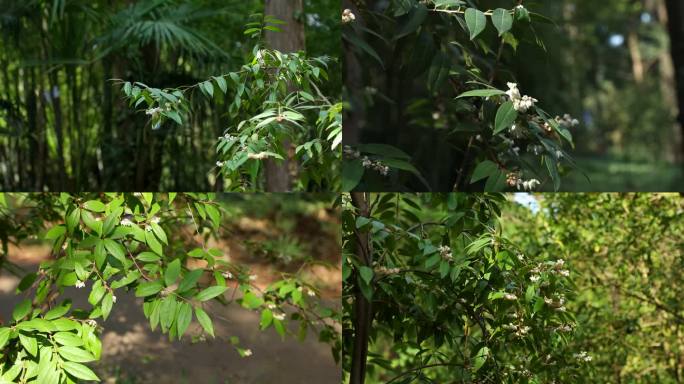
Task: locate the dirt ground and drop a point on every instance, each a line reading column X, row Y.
column 132, row 353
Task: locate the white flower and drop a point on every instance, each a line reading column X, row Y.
column 113, row 299
column 79, row 284
column 527, row 185
column 258, row 156
column 148, row 228
column 153, row 111
column 534, row 278
column 247, row 352
column 271, row 306
column 513, row 92
column 227, row 275
column 126, row 222
column 348, row 16
column 279, row 316
column 252, row 277
column 510, row 296
column 219, row 164
column 560, row 262
column 523, row 104
column 311, row 293
column 156, row 219
column 548, row 300
column 564, row 272
column 519, row 6
column 91, row 322
column 561, row 309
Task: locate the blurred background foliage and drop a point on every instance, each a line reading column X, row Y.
column 64, row 124
column 625, row 254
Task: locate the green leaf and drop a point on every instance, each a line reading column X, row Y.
column 502, row 20
column 221, row 82
column 68, row 338
column 362, row 221
column 252, row 301
column 72, row 220
column 505, row 117
column 58, row 311
column 481, row 93
column 190, row 280
column 204, row 321
column 483, row 170
column 29, row 343
column 444, row 269
column 415, row 19
column 96, row 293
column 153, row 243
column 184, row 318
column 352, row 173
column 266, row 318
column 496, row 182
column 480, row 358
column 476, row 21
column 148, row 257
column 55, row 232
column 360, row 43
column 21, row 310
column 210, row 293
column 172, row 272
column 439, row 70
column 208, row 88
column 116, row 249
column 167, row 312
column 79, row 371
column 148, row 288
column 75, row 354
column 94, row 205
column 107, row 303
column 366, row 274
column 4, row 336
column 553, row 171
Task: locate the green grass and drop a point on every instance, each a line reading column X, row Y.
column 613, row 175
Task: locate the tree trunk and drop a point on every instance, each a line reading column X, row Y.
column 363, row 311
column 291, row 39
column 666, row 69
column 675, row 11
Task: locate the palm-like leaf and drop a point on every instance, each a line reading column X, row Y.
column 163, row 23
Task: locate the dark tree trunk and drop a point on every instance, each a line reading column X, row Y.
column 675, row 10
column 291, row 39
column 363, row 311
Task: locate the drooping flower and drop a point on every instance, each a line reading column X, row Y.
column 79, row 284
column 348, row 16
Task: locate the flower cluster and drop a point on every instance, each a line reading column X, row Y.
column 567, row 121
column 582, row 356
column 382, row 270
column 367, row 162
column 565, row 328
column 555, row 268
column 79, row 284
column 520, row 330
column 348, row 16
column 520, row 103
column 514, row 179
column 445, row 253
column 510, row 296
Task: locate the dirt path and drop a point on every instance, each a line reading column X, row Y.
column 132, row 353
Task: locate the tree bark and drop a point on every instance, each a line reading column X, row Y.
column 675, row 12
column 363, row 311
column 291, row 39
